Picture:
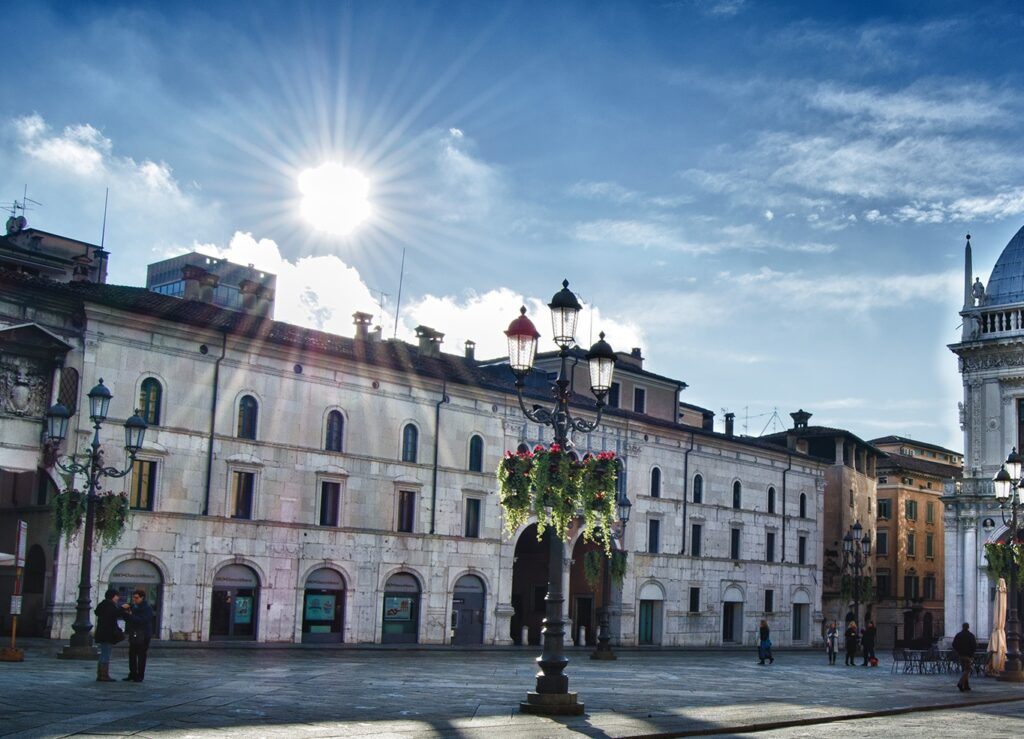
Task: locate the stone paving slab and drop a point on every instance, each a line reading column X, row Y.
column 451, row 693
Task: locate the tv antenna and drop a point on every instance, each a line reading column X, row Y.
column 18, row 222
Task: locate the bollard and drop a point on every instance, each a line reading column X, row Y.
column 524, row 638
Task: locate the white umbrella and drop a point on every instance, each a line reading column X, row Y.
column 997, row 644
column 6, row 559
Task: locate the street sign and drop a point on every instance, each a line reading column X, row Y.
column 15, row 605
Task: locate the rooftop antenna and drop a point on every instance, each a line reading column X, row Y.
column 398, row 303
column 103, row 232
column 18, row 222
column 382, row 298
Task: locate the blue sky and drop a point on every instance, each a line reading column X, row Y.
column 769, row 198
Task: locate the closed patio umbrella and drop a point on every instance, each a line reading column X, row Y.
column 997, row 644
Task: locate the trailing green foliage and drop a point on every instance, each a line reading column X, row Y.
column 1000, row 555
column 861, row 584
column 68, row 513
column 111, row 518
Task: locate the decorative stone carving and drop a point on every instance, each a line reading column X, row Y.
column 992, row 361
column 24, row 386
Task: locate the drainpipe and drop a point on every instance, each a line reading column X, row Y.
column 686, row 488
column 437, row 444
column 213, row 421
column 783, row 558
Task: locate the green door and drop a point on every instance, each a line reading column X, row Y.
column 647, row 621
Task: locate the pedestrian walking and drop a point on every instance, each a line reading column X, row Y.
column 869, row 643
column 139, row 618
column 964, row 644
column 832, row 642
column 107, row 633
column 764, row 644
column 852, row 637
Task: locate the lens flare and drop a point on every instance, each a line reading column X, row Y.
column 335, row 198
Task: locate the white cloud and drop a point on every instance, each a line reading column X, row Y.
column 838, row 403
column 769, row 215
column 656, row 234
column 466, row 187
column 613, row 192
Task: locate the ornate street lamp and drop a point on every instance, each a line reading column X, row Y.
column 1009, row 489
column 93, row 468
column 604, row 647
column 856, row 550
column 552, row 696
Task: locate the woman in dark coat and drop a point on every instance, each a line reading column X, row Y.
column 869, row 643
column 107, row 633
column 852, row 637
column 764, row 644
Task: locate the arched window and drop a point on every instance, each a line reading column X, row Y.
column 803, row 505
column 656, row 482
column 476, row 453
column 698, row 489
column 248, row 409
column 737, row 489
column 67, row 395
column 151, row 394
column 335, row 431
column 771, row 500
column 410, row 443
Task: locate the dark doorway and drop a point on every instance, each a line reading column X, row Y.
column 323, row 606
column 234, row 610
column 529, row 585
column 468, row 611
column 401, row 610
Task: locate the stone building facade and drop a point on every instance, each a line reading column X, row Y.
column 301, row 486
column 992, row 418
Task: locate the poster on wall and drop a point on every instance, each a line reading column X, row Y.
column 243, row 609
column 397, row 608
column 319, row 607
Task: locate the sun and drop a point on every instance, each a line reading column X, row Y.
column 335, row 198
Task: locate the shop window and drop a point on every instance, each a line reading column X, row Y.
column 150, row 397
column 334, row 439
column 143, row 485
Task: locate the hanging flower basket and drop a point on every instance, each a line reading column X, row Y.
column 550, row 483
column 68, row 513
column 111, row 518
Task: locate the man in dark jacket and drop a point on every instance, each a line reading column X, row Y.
column 870, row 632
column 139, row 619
column 107, row 632
column 964, row 644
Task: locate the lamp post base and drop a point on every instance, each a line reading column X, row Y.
column 551, row 704
column 11, row 654
column 1016, row 676
column 78, row 652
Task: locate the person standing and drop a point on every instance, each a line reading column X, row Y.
column 852, row 637
column 764, row 644
column 139, row 618
column 964, row 644
column 831, row 642
column 869, row 642
column 108, row 633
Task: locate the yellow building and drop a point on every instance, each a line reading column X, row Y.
column 909, row 549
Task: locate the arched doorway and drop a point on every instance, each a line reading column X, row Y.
column 234, row 612
column 584, row 597
column 650, row 614
column 138, row 574
column 323, row 606
column 401, row 610
column 529, row 585
column 468, row 610
column 732, row 615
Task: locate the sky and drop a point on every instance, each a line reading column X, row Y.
column 770, row 199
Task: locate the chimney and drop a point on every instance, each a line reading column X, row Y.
column 729, row 419
column 429, row 341
column 470, row 350
column 362, row 324
column 250, row 295
column 800, row 418
column 192, row 275
column 376, row 334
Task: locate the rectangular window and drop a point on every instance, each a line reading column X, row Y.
column 769, row 547
column 911, row 544
column 653, row 532
column 613, row 395
column 472, row 524
column 696, row 536
column 734, row 544
column 929, row 587
column 694, row 600
column 639, row 400
column 929, row 545
column 911, row 509
column 885, row 507
column 143, row 485
column 406, row 510
column 769, row 601
column 245, row 486
column 883, row 584
column 910, row 583
column 929, row 511
column 801, row 550
column 882, row 543
column 330, row 503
